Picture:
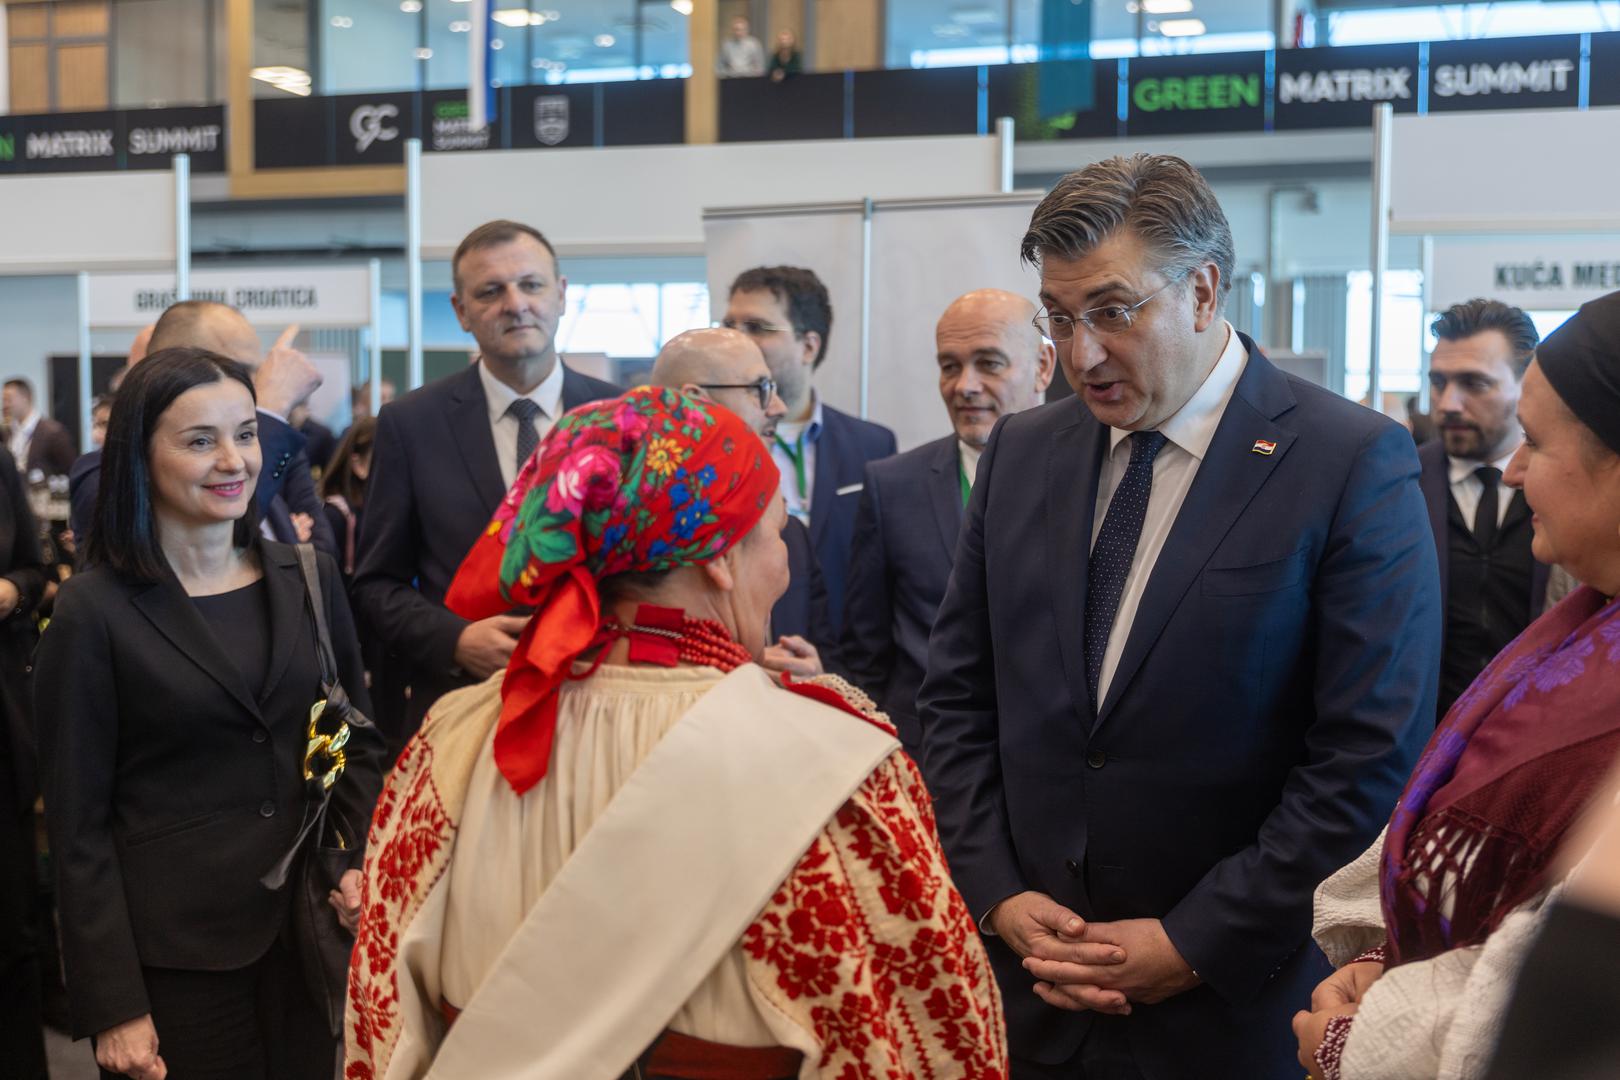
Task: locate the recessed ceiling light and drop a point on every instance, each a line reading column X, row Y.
column 460, row 26
column 1166, row 7
column 682, row 6
column 289, row 79
column 1181, row 27
column 341, row 22
column 410, row 7
column 497, row 43
column 515, row 17
column 424, row 54
column 606, row 41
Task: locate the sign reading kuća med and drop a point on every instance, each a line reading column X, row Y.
column 270, row 298
column 1554, row 273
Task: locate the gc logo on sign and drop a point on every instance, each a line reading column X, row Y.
column 367, row 125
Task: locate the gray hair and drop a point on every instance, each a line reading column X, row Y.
column 1161, row 198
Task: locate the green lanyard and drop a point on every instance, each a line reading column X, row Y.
column 795, row 454
column 967, row 488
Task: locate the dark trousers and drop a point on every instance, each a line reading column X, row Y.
column 22, row 1032
column 257, row 1023
column 1104, row 1055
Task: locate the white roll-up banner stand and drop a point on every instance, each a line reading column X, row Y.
column 923, row 254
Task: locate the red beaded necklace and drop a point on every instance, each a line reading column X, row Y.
column 668, row 636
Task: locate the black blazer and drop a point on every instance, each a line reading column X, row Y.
column 170, row 790
column 1276, row 685
column 802, row 610
column 905, row 537
column 51, row 450
column 1436, row 484
column 22, row 564
column 435, row 483
column 285, row 474
column 845, row 446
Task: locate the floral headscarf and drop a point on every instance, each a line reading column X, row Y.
column 650, row 481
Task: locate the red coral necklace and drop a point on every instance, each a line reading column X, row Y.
column 668, row 636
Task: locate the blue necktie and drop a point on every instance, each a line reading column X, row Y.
column 1115, row 549
column 528, row 436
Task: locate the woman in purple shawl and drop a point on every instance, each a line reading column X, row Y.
column 1428, row 926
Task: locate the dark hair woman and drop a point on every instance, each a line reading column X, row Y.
column 178, row 676
column 343, row 487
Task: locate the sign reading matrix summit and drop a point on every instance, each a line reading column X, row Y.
column 1516, row 73
column 1338, row 87
column 1215, row 92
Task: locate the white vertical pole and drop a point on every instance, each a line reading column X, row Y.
column 866, row 306
column 1004, row 134
column 182, row 226
column 1423, row 323
column 413, row 261
column 1383, row 145
column 85, row 394
column 374, row 361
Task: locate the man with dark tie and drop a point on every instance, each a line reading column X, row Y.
column 820, row 451
column 1491, row 587
column 992, row 363
column 1186, row 660
column 446, row 453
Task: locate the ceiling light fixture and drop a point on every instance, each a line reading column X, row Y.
column 606, row 41
column 682, row 6
column 410, row 7
column 424, row 54
column 289, row 79
column 341, row 22
column 1182, row 27
column 460, row 26
column 1167, row 7
column 517, row 17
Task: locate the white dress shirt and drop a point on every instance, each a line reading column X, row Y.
column 1467, row 489
column 21, row 436
column 802, row 438
column 969, row 457
column 1188, row 433
column 504, row 426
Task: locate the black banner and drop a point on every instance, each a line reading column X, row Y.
column 153, row 136
column 447, row 124
column 107, row 141
column 1171, row 95
column 1605, row 69
column 371, row 129
column 546, row 116
column 291, row 132
column 1318, row 88
column 798, row 107
column 938, row 101
column 1505, row 73
column 1014, row 90
column 649, row 112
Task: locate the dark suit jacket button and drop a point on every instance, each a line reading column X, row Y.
column 1096, row 759
column 259, row 735
column 1072, row 867
column 267, row 809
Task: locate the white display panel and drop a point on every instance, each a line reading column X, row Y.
column 62, row 224
column 270, row 297
column 1544, row 273
column 1528, row 170
column 650, row 200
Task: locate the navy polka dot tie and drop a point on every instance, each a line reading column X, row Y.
column 1112, row 554
column 528, row 437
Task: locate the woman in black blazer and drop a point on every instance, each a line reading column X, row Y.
column 174, row 688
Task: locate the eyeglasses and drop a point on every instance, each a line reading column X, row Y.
column 764, row 386
column 754, row 328
column 1108, row 319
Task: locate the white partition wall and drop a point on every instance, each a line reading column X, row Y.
column 62, row 224
column 924, row 254
column 650, row 200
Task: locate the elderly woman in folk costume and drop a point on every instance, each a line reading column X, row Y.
column 1430, row 924
column 637, row 853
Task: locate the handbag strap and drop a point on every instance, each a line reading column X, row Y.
column 317, row 607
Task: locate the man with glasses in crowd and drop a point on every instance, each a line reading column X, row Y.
column 821, row 452
column 1231, row 570
column 726, row 367
column 992, row 363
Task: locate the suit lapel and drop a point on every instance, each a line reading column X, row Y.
column 1436, row 485
column 1077, row 450
column 1228, row 479
column 576, row 391
column 945, row 494
column 824, row 488
column 288, row 612
column 171, row 612
column 468, row 416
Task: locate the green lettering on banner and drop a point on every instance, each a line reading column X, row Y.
column 8, row 147
column 1145, row 96
column 1246, row 88
column 1197, row 93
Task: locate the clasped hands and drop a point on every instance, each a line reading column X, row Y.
column 1101, row 966
column 1339, row 994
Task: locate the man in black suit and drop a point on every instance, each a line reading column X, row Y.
column 820, row 450
column 1230, row 574
column 992, row 363
column 1491, row 586
column 41, row 446
column 446, row 453
column 283, row 379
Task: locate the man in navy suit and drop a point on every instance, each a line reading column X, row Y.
column 1231, row 572
column 821, row 451
column 446, row 453
column 1491, row 586
column 992, row 363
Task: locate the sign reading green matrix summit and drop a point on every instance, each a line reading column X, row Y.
column 1213, row 92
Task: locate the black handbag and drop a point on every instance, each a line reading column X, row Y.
column 325, row 844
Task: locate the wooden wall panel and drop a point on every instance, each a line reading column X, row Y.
column 26, row 20
column 79, row 18
column 30, row 79
column 849, row 34
column 81, row 77
column 784, row 15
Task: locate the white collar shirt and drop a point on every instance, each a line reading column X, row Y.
column 503, row 426
column 969, row 458
column 798, row 440
column 1467, row 489
column 1189, row 433
column 21, row 436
